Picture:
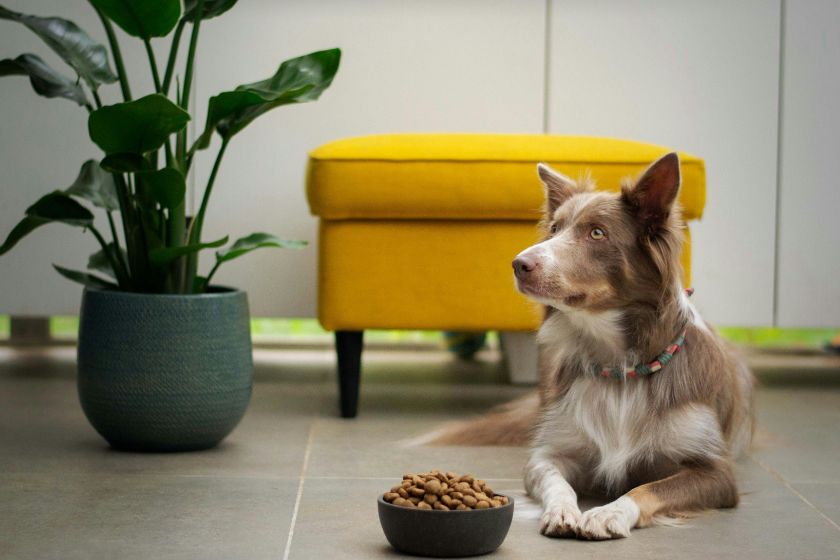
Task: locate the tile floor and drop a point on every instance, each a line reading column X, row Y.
column 294, row 481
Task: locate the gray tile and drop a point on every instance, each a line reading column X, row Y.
column 337, row 453
column 126, row 516
column 44, row 429
column 374, row 444
column 338, row 519
column 797, row 432
column 63, row 494
column 824, row 496
column 399, row 403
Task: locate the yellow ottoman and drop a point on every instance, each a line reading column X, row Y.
column 417, row 231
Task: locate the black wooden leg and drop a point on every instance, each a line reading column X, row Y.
column 348, row 346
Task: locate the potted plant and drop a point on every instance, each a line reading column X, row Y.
column 164, row 355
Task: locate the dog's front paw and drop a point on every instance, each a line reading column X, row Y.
column 612, row 521
column 560, row 521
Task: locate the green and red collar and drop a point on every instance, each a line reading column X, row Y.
column 643, row 370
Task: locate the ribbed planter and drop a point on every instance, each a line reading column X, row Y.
column 161, row 372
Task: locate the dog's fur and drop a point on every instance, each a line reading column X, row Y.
column 662, row 444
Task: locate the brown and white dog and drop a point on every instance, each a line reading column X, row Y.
column 661, row 444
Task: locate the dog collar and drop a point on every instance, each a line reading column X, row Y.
column 643, row 370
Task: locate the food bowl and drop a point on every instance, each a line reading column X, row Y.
column 439, row 533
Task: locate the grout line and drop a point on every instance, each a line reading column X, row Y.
column 779, row 131
column 303, row 469
column 796, row 492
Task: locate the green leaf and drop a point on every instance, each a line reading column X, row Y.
column 165, row 255
column 60, row 207
column 142, row 18
column 84, row 278
column 126, row 163
column 297, row 80
column 87, row 57
column 96, row 186
column 256, row 241
column 212, row 8
column 136, row 126
column 21, row 230
column 56, row 206
column 45, row 81
column 166, row 186
column 99, row 261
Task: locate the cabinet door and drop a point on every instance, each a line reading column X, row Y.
column 700, row 76
column 809, row 212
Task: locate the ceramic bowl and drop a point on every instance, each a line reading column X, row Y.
column 438, row 533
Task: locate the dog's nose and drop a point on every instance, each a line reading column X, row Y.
column 522, row 265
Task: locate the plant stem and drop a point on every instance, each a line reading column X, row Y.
column 195, row 228
column 173, row 55
column 115, row 50
column 152, row 64
column 134, row 270
column 198, row 221
column 176, row 227
column 211, row 273
column 113, row 228
column 188, row 74
column 184, row 96
column 117, row 253
column 167, row 150
column 122, row 280
column 96, row 98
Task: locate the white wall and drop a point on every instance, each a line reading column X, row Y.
column 43, row 143
column 407, row 66
column 472, row 65
column 701, row 76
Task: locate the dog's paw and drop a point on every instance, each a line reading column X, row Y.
column 560, row 521
column 612, row 521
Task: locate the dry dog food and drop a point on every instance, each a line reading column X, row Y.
column 444, row 491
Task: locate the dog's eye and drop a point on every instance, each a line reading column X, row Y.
column 597, row 234
column 553, row 229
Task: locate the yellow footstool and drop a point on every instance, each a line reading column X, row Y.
column 417, row 231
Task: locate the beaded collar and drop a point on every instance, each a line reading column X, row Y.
column 643, row 370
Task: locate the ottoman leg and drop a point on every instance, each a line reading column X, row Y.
column 348, row 347
column 520, row 352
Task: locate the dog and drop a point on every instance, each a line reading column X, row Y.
column 639, row 400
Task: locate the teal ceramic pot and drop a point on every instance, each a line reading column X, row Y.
column 160, row 372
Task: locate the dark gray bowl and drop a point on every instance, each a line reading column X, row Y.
column 437, row 533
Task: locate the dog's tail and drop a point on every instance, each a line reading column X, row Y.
column 510, row 424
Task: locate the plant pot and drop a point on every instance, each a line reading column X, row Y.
column 160, row 372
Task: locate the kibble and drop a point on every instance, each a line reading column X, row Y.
column 444, row 491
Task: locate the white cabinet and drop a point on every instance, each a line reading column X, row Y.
column 701, row 76
column 809, row 212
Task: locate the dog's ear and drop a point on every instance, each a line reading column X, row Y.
column 654, row 193
column 558, row 187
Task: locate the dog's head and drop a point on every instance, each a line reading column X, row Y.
column 605, row 250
